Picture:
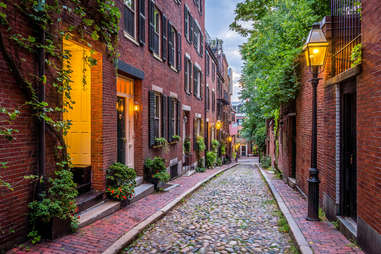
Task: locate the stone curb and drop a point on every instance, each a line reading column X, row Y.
column 297, row 234
column 135, row 231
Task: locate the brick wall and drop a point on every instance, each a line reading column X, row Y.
column 369, row 118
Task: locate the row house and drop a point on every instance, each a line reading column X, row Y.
column 348, row 120
column 166, row 84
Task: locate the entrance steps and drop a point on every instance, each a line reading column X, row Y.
column 92, row 207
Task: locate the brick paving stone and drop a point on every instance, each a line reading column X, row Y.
column 234, row 213
column 322, row 236
column 97, row 237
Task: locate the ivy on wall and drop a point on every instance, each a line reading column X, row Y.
column 94, row 20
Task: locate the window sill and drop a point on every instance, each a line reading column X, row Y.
column 132, row 39
column 174, row 142
column 157, row 146
column 157, row 57
column 174, row 69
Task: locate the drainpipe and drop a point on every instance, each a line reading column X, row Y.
column 42, row 142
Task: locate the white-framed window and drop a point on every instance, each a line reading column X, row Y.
column 130, row 18
column 172, row 47
column 157, row 31
column 158, row 115
column 198, row 127
column 197, row 81
column 187, row 75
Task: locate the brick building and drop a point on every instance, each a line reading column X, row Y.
column 165, row 85
column 348, row 117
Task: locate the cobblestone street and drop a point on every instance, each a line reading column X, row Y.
column 234, row 213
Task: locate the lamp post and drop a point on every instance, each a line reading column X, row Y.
column 315, row 51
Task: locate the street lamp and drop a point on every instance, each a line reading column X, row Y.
column 315, row 51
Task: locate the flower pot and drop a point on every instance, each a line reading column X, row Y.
column 155, row 183
column 55, row 228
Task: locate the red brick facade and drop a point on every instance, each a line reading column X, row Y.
column 331, row 128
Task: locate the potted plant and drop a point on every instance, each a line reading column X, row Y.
column 120, row 183
column 161, row 143
column 211, row 159
column 156, row 171
column 175, row 138
column 53, row 214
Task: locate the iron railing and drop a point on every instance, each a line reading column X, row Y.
column 346, row 16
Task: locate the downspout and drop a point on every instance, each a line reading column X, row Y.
column 42, row 142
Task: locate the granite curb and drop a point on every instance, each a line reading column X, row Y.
column 296, row 233
column 135, row 231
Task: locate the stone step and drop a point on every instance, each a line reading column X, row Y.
column 97, row 212
column 139, row 180
column 142, row 191
column 88, row 199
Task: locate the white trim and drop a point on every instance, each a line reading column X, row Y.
column 129, row 37
column 173, row 162
column 187, row 108
column 197, row 115
column 207, row 85
column 207, row 119
column 197, row 66
column 187, row 56
column 157, row 89
column 213, row 90
column 173, row 95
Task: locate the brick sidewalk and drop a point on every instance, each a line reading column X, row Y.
column 322, row 236
column 97, row 237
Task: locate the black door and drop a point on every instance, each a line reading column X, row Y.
column 349, row 174
column 121, row 126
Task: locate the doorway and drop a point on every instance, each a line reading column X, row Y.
column 243, row 150
column 348, row 166
column 125, row 121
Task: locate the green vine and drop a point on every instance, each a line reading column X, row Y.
column 356, row 55
column 97, row 21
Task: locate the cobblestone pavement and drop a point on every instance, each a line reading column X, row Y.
column 234, row 213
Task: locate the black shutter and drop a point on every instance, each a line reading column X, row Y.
column 151, row 105
column 186, row 23
column 178, row 59
column 164, row 37
column 186, row 71
column 201, row 44
column 178, row 117
column 170, row 119
column 201, row 86
column 201, row 6
column 129, row 21
column 151, row 25
column 190, row 29
column 164, row 115
column 190, row 76
column 142, row 22
column 170, row 45
column 195, row 87
column 194, row 134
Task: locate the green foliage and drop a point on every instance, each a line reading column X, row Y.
column 34, row 236
column 120, row 182
column 200, row 144
column 200, row 169
column 223, row 149
column 219, row 162
column 211, row 158
column 163, row 143
column 276, row 31
column 187, row 146
column 176, row 138
column 266, row 162
column 59, row 202
column 356, row 55
column 215, row 145
column 155, row 168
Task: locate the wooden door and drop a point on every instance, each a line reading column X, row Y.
column 349, row 171
column 126, row 136
column 78, row 138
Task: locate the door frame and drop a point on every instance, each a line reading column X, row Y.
column 127, row 97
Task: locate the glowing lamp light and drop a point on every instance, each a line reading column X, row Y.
column 315, row 48
column 136, row 107
column 218, row 125
column 230, row 139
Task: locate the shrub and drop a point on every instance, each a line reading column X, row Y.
column 155, row 169
column 219, row 162
column 211, row 158
column 215, row 145
column 120, row 182
column 176, row 138
column 223, row 149
column 200, row 144
column 266, row 162
column 200, row 169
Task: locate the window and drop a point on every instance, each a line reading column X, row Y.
column 198, row 127
column 171, row 45
column 213, row 101
column 130, row 17
column 186, row 23
column 207, row 101
column 197, row 82
column 213, row 71
column 207, row 64
column 157, row 31
column 154, row 29
column 173, row 118
column 187, row 75
column 158, row 115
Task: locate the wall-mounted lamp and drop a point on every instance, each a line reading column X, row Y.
column 218, row 125
column 230, row 139
column 136, row 107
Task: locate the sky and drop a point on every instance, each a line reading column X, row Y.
column 219, row 15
